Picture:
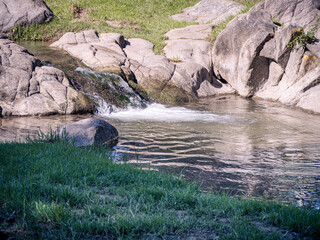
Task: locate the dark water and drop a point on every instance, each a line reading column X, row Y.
column 245, row 147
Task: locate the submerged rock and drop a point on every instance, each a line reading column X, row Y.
column 88, row 132
column 210, row 11
column 253, row 56
column 23, row 12
column 27, row 88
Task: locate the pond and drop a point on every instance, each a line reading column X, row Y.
column 239, row 146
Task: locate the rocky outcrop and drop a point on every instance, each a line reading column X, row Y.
column 27, row 88
column 88, row 132
column 253, row 56
column 210, row 11
column 23, row 12
column 162, row 78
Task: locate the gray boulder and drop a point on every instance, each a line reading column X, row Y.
column 236, row 51
column 197, row 51
column 253, row 56
column 102, row 53
column 27, row 88
column 88, row 132
column 214, row 88
column 303, row 13
column 23, row 12
column 210, row 11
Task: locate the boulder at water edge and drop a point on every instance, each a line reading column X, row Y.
column 253, row 56
column 27, row 88
column 88, row 132
column 23, row 12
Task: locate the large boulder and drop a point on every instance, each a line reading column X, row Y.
column 252, row 54
column 210, row 11
column 27, row 88
column 88, row 132
column 23, row 12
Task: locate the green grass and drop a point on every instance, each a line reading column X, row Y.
column 147, row 19
column 57, row 191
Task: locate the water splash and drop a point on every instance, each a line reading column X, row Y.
column 158, row 112
column 112, row 86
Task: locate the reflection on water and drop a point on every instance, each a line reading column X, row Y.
column 244, row 147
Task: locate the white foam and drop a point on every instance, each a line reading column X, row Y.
column 161, row 113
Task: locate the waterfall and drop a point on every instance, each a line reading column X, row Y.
column 112, row 93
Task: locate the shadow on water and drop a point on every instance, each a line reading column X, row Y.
column 244, row 147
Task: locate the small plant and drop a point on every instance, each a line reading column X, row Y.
column 301, row 38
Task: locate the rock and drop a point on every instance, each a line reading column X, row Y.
column 236, row 52
column 102, row 54
column 27, row 88
column 88, row 132
column 303, row 13
column 137, row 49
column 189, row 76
column 310, row 99
column 196, row 32
column 23, row 12
column 197, row 51
column 215, row 88
column 213, row 11
column 253, row 56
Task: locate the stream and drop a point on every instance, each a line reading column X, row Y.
column 239, row 146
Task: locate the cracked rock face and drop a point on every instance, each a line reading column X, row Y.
column 27, row 88
column 160, row 77
column 210, row 11
column 251, row 54
column 23, row 12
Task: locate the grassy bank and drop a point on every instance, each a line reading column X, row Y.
column 57, row 191
column 145, row 19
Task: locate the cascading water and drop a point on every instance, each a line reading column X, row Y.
column 113, row 85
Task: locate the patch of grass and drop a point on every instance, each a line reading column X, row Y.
column 57, row 191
